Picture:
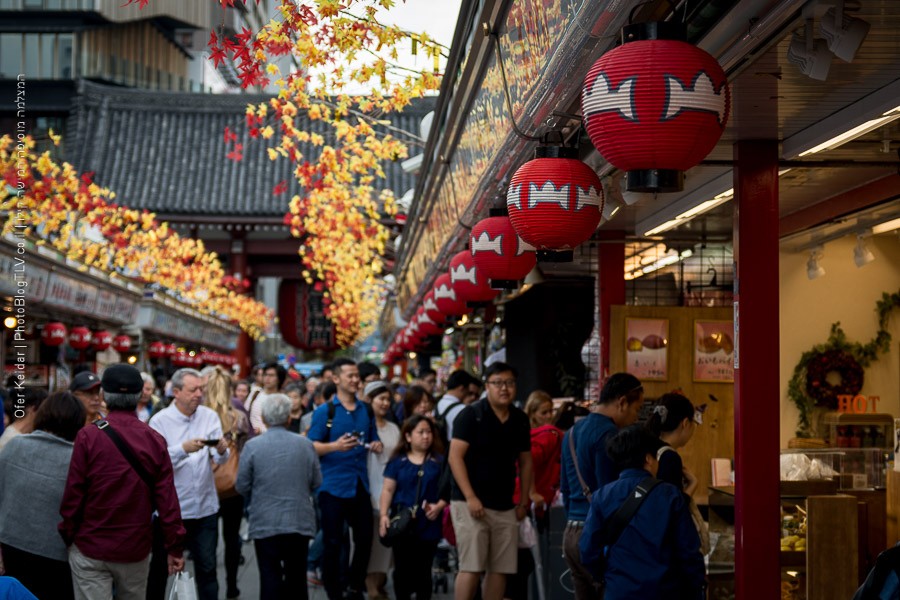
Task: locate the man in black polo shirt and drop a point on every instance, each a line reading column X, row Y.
column 489, row 438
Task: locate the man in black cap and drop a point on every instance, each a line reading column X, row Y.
column 86, row 387
column 119, row 474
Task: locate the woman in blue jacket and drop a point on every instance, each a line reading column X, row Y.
column 418, row 455
column 657, row 555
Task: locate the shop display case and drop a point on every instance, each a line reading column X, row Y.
column 819, row 542
column 852, row 430
column 851, row 468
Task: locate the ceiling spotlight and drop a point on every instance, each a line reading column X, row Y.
column 810, row 55
column 813, row 269
column 844, row 35
column 861, row 254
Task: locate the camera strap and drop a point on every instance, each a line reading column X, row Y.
column 129, row 455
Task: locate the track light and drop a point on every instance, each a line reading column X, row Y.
column 844, row 35
column 813, row 269
column 861, row 254
column 810, row 55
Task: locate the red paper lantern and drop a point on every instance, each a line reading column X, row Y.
column 446, row 298
column 655, row 106
column 171, row 350
column 181, row 359
column 470, row 284
column 79, row 338
column 54, row 334
column 431, row 308
column 425, row 324
column 121, row 343
column 555, row 202
column 156, row 349
column 101, row 340
column 499, row 253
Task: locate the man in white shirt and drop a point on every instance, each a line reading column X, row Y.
column 191, row 432
column 273, row 378
column 460, row 386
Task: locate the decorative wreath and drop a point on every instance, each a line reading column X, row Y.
column 832, row 361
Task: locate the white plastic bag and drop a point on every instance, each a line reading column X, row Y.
column 527, row 534
column 183, row 587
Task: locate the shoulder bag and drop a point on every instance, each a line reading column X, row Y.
column 584, row 486
column 402, row 523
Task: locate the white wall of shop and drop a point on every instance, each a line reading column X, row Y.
column 848, row 294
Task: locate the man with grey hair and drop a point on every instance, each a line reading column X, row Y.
column 193, row 434
column 119, row 474
column 147, row 400
column 278, row 472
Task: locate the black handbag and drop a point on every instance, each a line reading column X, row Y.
column 403, row 520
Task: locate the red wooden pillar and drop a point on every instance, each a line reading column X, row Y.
column 610, row 287
column 756, row 380
column 238, row 260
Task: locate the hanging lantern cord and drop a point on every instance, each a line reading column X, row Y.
column 509, row 107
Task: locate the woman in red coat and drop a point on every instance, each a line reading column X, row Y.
column 546, row 446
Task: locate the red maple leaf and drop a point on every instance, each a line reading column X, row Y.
column 280, row 188
column 230, row 136
column 217, row 55
column 235, row 154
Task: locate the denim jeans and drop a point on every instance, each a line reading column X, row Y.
column 357, row 513
column 202, row 538
column 281, row 559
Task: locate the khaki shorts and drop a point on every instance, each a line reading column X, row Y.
column 489, row 544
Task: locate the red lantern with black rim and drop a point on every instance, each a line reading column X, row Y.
column 446, row 298
column 121, row 343
column 499, row 253
column 555, row 202
column 79, row 338
column 101, row 340
column 655, row 106
column 54, row 334
column 156, row 349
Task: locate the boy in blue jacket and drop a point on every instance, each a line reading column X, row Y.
column 657, row 556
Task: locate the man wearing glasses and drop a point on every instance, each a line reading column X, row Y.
column 618, row 406
column 490, row 437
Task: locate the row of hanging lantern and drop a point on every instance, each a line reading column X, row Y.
column 188, row 358
column 654, row 107
column 82, row 338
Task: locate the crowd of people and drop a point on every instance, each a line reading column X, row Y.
column 343, row 479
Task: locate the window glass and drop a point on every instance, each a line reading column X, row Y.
column 32, row 53
column 34, row 4
column 10, row 55
column 53, row 4
column 64, row 60
column 48, row 53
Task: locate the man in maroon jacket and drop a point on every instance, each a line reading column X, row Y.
column 120, row 473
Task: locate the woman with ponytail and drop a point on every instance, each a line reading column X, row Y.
column 673, row 421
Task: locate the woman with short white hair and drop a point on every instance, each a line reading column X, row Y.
column 278, row 472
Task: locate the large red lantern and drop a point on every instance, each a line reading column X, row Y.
column 181, row 359
column 79, row 338
column 156, row 349
column 171, row 350
column 54, row 334
column 446, row 298
column 471, row 285
column 121, row 343
column 655, row 106
column 425, row 324
column 555, row 202
column 431, row 308
column 499, row 253
column 101, row 340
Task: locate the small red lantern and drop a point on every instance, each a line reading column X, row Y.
column 54, row 334
column 171, row 350
column 425, row 324
column 79, row 338
column 156, row 349
column 121, row 343
column 101, row 340
column 655, row 106
column 500, row 254
column 446, row 298
column 555, row 202
column 181, row 359
column 470, row 284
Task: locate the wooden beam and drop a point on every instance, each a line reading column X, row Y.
column 862, row 197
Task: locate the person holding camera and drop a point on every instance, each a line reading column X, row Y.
column 343, row 432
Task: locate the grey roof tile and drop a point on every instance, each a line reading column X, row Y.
column 164, row 151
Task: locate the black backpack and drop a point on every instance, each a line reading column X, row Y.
column 441, row 422
column 331, row 410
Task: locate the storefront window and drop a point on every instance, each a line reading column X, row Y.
column 48, row 46
column 10, row 55
column 32, row 54
column 64, row 51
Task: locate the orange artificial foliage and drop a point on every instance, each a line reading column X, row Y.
column 74, row 215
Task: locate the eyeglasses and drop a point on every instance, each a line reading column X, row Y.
column 506, row 383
